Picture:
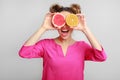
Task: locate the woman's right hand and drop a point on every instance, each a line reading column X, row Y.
column 47, row 23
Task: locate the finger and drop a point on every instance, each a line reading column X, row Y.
column 51, row 14
column 81, row 16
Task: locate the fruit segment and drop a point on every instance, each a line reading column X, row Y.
column 72, row 20
column 58, row 20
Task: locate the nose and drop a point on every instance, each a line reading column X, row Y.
column 66, row 26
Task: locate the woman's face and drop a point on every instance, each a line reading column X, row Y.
column 65, row 31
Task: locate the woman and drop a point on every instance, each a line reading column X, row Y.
column 63, row 57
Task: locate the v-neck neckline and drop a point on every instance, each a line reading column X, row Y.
column 66, row 53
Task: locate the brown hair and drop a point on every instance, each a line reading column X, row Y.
column 74, row 8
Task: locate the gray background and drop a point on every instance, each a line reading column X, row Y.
column 19, row 19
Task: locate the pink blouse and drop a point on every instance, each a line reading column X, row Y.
column 56, row 66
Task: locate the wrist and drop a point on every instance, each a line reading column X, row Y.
column 86, row 30
column 43, row 28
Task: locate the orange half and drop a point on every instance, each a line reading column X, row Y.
column 72, row 20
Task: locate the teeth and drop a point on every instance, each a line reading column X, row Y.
column 64, row 30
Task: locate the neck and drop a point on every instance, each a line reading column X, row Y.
column 65, row 41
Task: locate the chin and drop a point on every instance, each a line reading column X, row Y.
column 65, row 37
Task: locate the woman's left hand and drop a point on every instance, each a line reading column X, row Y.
column 82, row 23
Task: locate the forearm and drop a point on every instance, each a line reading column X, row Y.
column 35, row 37
column 93, row 41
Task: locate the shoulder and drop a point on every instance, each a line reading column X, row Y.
column 45, row 41
column 82, row 43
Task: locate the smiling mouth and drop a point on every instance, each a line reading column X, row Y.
column 64, row 31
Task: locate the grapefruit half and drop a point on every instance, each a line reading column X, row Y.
column 58, row 20
column 72, row 20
